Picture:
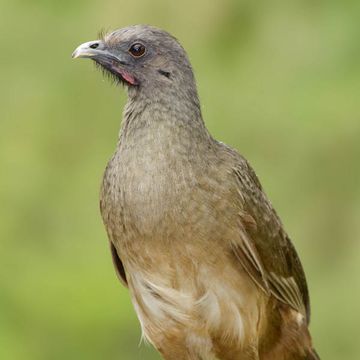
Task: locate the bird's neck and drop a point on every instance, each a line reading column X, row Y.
column 162, row 116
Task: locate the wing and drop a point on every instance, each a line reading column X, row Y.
column 265, row 250
column 119, row 267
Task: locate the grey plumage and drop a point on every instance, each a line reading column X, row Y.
column 211, row 271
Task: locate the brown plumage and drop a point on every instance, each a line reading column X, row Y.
column 211, row 272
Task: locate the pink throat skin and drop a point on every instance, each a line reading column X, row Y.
column 129, row 78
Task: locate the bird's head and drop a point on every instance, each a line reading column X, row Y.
column 141, row 57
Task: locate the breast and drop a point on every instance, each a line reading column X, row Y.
column 147, row 187
column 160, row 194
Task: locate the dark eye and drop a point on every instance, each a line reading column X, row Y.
column 137, row 50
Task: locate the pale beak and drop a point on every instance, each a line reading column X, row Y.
column 98, row 51
column 112, row 60
column 88, row 49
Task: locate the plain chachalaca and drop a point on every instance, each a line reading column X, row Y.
column 211, row 272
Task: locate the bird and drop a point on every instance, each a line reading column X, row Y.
column 211, row 272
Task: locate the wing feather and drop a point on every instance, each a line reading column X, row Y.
column 119, row 267
column 264, row 250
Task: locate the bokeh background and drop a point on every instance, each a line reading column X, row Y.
column 278, row 80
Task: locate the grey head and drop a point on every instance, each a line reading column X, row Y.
column 146, row 59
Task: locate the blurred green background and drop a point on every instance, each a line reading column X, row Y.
column 279, row 80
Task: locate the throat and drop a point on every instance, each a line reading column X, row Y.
column 162, row 124
column 158, row 144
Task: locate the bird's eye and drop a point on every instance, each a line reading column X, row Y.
column 137, row 50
